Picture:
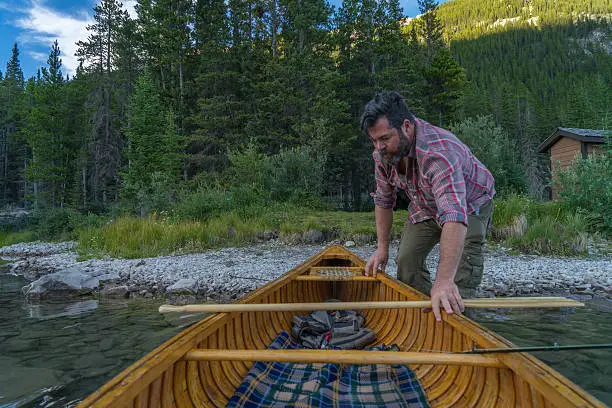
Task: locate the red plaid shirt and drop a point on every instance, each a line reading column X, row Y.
column 444, row 180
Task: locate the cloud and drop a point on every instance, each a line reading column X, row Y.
column 38, row 56
column 129, row 6
column 43, row 25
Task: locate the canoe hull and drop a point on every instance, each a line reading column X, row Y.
column 164, row 379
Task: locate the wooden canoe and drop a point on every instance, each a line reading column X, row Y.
column 165, row 378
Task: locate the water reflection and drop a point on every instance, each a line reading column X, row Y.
column 54, row 354
column 45, row 311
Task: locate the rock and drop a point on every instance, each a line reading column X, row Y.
column 266, row 235
column 364, row 238
column 183, row 287
column 584, row 287
column 313, row 237
column 69, row 282
column 115, row 291
column 181, row 300
column 349, row 244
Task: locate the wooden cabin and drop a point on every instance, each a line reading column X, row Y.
column 566, row 144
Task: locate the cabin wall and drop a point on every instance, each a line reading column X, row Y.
column 564, row 152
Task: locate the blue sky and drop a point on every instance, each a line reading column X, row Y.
column 35, row 24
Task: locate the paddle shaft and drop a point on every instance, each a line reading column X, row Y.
column 341, row 357
column 537, row 348
column 533, row 302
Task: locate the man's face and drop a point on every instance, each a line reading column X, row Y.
column 387, row 141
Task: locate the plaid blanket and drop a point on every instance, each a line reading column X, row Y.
column 327, row 385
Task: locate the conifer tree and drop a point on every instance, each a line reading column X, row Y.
column 445, row 83
column 430, row 28
column 153, row 146
column 13, row 151
column 46, row 131
column 98, row 54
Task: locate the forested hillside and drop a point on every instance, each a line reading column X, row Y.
column 266, row 95
column 534, row 65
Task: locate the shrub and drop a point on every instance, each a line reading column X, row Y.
column 492, row 146
column 295, row 175
column 587, row 184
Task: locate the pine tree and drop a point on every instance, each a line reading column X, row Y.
column 430, row 28
column 13, row 151
column 153, row 159
column 445, row 83
column 47, row 134
column 99, row 58
column 14, row 74
column 166, row 39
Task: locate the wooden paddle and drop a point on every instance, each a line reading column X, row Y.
column 517, row 302
column 341, row 357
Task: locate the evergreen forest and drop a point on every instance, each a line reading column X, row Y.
column 262, row 98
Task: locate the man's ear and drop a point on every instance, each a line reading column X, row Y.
column 406, row 126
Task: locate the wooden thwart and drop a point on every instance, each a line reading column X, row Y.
column 517, row 302
column 342, row 357
column 336, row 278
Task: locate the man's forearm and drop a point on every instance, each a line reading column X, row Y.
column 451, row 248
column 384, row 221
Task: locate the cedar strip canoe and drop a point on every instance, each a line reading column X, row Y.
column 163, row 378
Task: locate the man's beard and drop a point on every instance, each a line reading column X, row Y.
column 404, row 149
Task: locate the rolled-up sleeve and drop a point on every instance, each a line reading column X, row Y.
column 445, row 175
column 386, row 193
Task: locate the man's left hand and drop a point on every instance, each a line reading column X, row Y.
column 445, row 294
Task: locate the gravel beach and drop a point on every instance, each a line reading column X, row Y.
column 228, row 273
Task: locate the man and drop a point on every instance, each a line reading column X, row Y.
column 450, row 195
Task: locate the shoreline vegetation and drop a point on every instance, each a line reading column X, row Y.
column 520, row 224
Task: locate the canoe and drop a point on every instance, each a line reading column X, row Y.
column 168, row 377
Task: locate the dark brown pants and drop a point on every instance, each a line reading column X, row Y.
column 419, row 239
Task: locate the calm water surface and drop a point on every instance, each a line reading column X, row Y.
column 53, row 355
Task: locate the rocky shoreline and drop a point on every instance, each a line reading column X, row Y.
column 226, row 274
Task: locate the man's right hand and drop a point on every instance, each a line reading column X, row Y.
column 378, row 259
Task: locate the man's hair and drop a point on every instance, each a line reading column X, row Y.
column 389, row 104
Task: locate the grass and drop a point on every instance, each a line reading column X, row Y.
column 15, row 237
column 521, row 223
column 135, row 237
column 530, row 226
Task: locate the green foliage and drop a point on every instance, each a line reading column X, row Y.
column 445, row 83
column 295, row 175
column 153, row 155
column 257, row 181
column 8, row 237
column 291, row 78
column 586, row 184
column 533, row 226
column 496, row 150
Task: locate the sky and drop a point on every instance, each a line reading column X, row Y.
column 35, row 24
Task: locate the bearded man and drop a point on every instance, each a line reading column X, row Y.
column 451, row 201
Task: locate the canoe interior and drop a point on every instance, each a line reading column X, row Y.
column 162, row 379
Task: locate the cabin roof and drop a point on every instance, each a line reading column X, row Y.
column 583, row 135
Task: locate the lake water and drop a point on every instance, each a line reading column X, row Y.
column 53, row 355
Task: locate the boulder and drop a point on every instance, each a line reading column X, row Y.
column 183, row 287
column 72, row 281
column 120, row 291
column 313, row 237
column 266, row 235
